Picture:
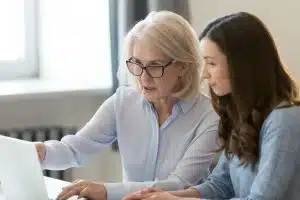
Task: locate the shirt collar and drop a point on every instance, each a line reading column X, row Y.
column 185, row 104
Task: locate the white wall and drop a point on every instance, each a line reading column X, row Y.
column 281, row 17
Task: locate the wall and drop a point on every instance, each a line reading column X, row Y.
column 281, row 17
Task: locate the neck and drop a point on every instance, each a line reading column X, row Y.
column 163, row 109
column 164, row 106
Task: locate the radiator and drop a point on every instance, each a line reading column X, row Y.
column 43, row 134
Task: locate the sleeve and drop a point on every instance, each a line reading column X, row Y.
column 280, row 150
column 75, row 150
column 218, row 185
column 279, row 153
column 191, row 169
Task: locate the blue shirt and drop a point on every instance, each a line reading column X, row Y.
column 277, row 174
column 172, row 156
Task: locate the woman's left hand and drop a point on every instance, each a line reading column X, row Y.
column 142, row 194
column 81, row 188
column 161, row 196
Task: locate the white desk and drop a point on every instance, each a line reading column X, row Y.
column 54, row 187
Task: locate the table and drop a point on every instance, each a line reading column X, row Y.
column 54, row 186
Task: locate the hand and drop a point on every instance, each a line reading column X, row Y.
column 81, row 188
column 41, row 150
column 161, row 196
column 141, row 194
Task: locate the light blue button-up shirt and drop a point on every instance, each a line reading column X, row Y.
column 172, row 156
column 277, row 173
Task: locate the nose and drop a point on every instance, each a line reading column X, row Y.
column 145, row 77
column 205, row 74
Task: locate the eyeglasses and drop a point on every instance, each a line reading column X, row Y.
column 154, row 70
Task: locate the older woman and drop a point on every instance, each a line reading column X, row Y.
column 166, row 129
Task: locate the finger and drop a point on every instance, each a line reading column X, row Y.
column 150, row 197
column 84, row 193
column 79, row 181
column 148, row 190
column 65, row 194
column 147, row 196
column 145, row 191
column 155, row 190
column 74, row 184
column 135, row 195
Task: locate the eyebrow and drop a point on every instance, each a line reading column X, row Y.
column 149, row 62
column 208, row 57
column 156, row 62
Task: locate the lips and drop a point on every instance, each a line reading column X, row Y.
column 211, row 85
column 148, row 88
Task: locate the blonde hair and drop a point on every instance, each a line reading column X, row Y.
column 175, row 37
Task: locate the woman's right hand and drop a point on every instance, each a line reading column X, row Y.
column 41, row 150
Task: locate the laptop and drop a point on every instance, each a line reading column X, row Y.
column 21, row 176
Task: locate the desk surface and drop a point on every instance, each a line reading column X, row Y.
column 54, row 187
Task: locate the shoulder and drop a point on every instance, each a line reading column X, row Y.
column 282, row 122
column 127, row 94
column 203, row 112
column 284, row 116
column 204, row 107
column 127, row 91
column 123, row 96
column 204, row 99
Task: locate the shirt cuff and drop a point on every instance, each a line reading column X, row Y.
column 48, row 155
column 204, row 190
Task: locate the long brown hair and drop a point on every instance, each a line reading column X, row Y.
column 258, row 81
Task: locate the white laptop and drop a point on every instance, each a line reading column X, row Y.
column 21, row 175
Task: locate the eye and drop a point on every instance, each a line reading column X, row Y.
column 212, row 64
column 155, row 64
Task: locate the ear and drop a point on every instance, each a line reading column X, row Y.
column 183, row 70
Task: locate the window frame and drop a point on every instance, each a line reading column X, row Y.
column 27, row 68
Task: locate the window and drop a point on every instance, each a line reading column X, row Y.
column 18, row 39
column 75, row 41
column 57, row 40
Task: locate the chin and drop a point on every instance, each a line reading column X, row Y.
column 150, row 98
column 221, row 93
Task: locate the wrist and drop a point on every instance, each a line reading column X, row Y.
column 194, row 192
column 188, row 193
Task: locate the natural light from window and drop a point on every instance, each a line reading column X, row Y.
column 54, row 45
column 12, row 30
column 18, row 39
column 75, row 41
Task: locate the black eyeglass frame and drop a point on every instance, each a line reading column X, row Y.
column 145, row 68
